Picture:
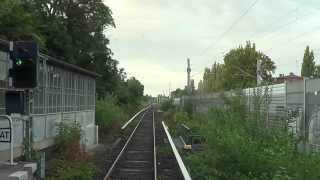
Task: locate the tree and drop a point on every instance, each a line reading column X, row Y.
column 178, row 93
column 240, row 67
column 135, row 90
column 308, row 64
column 17, row 24
column 70, row 30
column 238, row 71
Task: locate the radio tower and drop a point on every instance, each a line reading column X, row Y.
column 189, row 75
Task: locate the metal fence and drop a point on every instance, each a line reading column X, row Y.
column 294, row 105
column 312, row 115
column 280, row 104
column 271, row 101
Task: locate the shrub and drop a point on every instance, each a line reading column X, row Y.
column 240, row 148
column 182, row 117
column 167, row 105
column 67, row 141
column 108, row 112
column 71, row 161
column 65, row 170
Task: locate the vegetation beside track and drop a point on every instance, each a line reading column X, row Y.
column 70, row 159
column 238, row 147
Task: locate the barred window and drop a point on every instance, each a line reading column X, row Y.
column 3, row 79
column 61, row 90
column 39, row 94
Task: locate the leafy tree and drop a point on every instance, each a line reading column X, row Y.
column 213, row 78
column 178, row 93
column 238, row 71
column 17, row 24
column 72, row 31
column 240, row 67
column 308, row 65
column 75, row 30
column 135, row 90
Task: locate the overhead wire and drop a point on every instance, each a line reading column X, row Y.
column 271, row 33
column 229, row 29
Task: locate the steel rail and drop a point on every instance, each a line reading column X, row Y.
column 137, row 114
column 154, row 148
column 125, row 147
column 183, row 168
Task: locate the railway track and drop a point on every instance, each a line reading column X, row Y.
column 137, row 159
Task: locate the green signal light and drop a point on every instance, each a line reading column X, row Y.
column 19, row 62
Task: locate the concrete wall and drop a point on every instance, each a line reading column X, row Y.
column 44, row 129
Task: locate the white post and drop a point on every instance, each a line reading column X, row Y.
column 11, row 137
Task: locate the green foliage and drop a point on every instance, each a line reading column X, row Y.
column 73, row 31
column 179, row 93
column 135, row 91
column 188, row 107
column 240, row 148
column 308, row 66
column 238, row 71
column 108, row 112
column 67, row 134
column 182, row 117
column 167, row 105
column 81, row 170
column 71, row 161
column 67, row 141
column 16, row 23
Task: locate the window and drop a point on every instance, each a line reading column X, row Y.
column 61, row 90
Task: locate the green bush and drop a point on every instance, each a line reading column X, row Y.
column 167, row 105
column 182, row 117
column 108, row 112
column 67, row 134
column 239, row 147
column 70, row 162
column 80, row 170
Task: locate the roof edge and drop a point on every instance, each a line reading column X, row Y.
column 4, row 46
column 54, row 61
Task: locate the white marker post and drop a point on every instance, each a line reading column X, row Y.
column 11, row 138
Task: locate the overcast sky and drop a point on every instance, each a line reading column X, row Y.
column 153, row 38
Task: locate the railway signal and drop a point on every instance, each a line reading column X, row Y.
column 24, row 57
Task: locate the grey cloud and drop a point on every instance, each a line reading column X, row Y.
column 166, row 32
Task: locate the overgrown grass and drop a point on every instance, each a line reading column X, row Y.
column 66, row 170
column 240, row 148
column 109, row 114
column 71, row 160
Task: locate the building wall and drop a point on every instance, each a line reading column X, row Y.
column 61, row 96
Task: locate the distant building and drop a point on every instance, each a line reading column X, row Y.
column 291, row 77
